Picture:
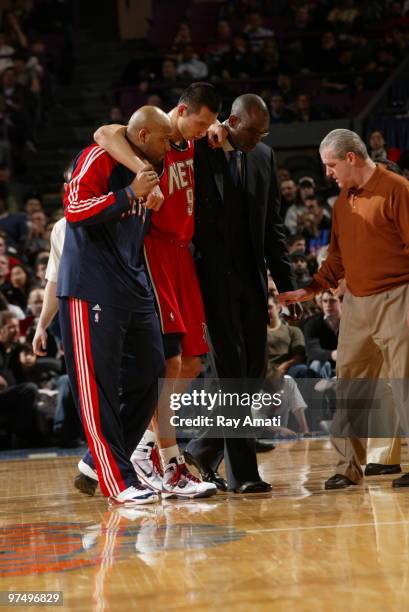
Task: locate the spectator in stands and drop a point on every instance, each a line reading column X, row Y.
column 286, row 353
column 32, row 203
column 385, row 59
column 344, row 69
column 40, row 269
column 316, row 239
column 255, row 30
column 283, row 174
column 17, row 402
column 28, row 72
column 6, row 53
column 39, row 56
column 318, row 233
column 14, row 225
column 221, row 45
column 397, row 42
column 116, row 116
column 190, row 67
column 326, row 58
column 377, row 149
column 9, row 332
column 286, row 344
column 13, row 30
column 301, row 21
column 279, row 112
column 9, row 253
column 306, row 187
column 300, row 269
column 289, row 195
column 296, row 243
column 394, row 14
column 321, row 336
column 299, row 45
column 170, row 83
column 17, row 289
column 4, row 272
column 286, row 88
column 16, row 99
column 344, row 15
column 154, row 100
column 183, row 37
column 267, row 59
column 37, row 237
column 236, row 64
column 304, row 111
column 24, row 365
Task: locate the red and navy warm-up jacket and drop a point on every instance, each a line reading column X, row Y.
column 102, row 258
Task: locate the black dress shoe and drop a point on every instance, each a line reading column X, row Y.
column 262, row 446
column 338, row 481
column 254, row 487
column 85, row 484
column 206, row 473
column 403, row 481
column 378, row 469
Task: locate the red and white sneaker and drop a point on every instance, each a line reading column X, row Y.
column 179, row 482
column 134, row 496
column 147, row 465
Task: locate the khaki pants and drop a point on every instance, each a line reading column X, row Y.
column 373, row 342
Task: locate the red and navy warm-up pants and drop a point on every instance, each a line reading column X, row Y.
column 114, row 358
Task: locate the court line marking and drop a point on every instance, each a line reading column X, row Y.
column 42, row 456
column 336, row 526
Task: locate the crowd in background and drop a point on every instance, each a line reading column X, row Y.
column 309, row 60
column 36, row 55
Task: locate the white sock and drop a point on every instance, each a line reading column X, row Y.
column 147, row 438
column 166, row 454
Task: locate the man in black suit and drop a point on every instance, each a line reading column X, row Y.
column 238, row 230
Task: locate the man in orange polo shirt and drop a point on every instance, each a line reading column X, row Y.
column 370, row 249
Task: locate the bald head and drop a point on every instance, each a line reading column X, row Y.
column 148, row 131
column 148, row 117
column 249, row 122
column 248, row 104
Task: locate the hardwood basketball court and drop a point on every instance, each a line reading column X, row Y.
column 300, row 548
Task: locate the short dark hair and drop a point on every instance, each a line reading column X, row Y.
column 25, row 347
column 273, row 297
column 293, row 239
column 316, row 198
column 5, row 317
column 33, row 195
column 198, row 95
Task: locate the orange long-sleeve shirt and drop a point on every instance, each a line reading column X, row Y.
column 370, row 237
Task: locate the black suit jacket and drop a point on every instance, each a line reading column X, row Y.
column 266, row 226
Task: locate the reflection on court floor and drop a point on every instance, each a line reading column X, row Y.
column 300, row 548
